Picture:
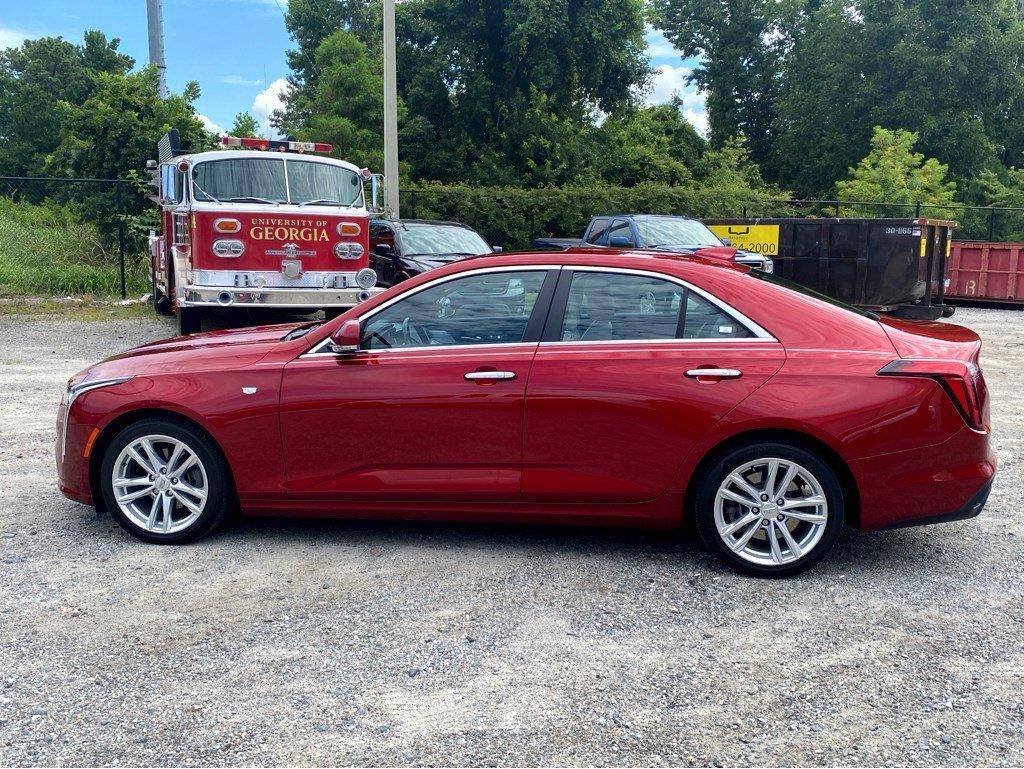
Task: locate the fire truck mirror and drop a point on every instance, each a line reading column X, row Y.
column 376, row 190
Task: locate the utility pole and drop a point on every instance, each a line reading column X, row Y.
column 390, row 112
column 155, row 15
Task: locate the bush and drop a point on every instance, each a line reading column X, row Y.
column 46, row 249
column 513, row 217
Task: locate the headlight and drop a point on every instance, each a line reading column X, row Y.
column 76, row 390
column 366, row 278
column 348, row 250
column 228, row 248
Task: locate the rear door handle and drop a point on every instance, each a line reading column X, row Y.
column 714, row 373
column 489, row 375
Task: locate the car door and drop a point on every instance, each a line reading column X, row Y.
column 431, row 407
column 633, row 369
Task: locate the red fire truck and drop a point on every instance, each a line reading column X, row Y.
column 277, row 228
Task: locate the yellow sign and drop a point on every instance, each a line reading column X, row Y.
column 759, row 238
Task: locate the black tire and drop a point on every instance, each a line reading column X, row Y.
column 723, row 466
column 190, row 320
column 220, row 499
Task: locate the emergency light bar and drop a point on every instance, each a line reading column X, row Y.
column 274, row 144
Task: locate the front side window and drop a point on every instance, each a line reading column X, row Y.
column 608, row 307
column 597, row 230
column 621, row 234
column 487, row 308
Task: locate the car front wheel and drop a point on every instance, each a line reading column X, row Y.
column 770, row 509
column 164, row 482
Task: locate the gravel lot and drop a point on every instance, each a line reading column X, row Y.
column 290, row 642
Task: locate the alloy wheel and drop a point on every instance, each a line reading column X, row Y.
column 771, row 511
column 160, row 484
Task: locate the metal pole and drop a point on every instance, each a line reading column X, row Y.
column 120, row 251
column 390, row 113
column 991, row 224
column 155, row 16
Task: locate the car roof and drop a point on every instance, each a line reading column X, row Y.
column 644, row 216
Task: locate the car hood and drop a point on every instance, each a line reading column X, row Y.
column 230, row 347
column 436, row 260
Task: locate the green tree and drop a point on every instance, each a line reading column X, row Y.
column 38, row 76
column 948, row 70
column 346, row 108
column 739, row 51
column 893, row 173
column 246, row 126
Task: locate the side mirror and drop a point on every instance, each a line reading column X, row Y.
column 726, row 241
column 496, row 249
column 376, row 190
column 383, row 249
column 345, row 339
column 620, row 241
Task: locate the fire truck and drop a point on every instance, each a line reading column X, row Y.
column 259, row 224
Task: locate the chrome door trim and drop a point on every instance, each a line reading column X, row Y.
column 721, row 373
column 496, row 376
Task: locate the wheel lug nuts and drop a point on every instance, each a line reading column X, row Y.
column 755, row 510
column 764, row 497
column 163, row 471
column 781, row 517
column 780, row 501
column 152, row 477
column 174, row 480
column 765, row 524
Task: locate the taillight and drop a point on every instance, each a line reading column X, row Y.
column 961, row 380
column 227, row 226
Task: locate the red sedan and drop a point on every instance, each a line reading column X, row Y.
column 634, row 389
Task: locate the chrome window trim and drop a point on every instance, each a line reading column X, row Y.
column 760, row 334
column 316, row 351
column 756, row 329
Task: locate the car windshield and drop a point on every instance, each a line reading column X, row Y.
column 264, row 180
column 778, row 281
column 674, row 231
column 438, row 239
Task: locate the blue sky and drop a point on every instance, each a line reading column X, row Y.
column 235, row 49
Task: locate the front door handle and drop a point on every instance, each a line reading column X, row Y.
column 714, row 374
column 489, row 375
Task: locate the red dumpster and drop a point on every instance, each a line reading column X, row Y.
column 982, row 271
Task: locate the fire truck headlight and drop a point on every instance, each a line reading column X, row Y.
column 228, row 248
column 366, row 278
column 348, row 250
column 349, row 229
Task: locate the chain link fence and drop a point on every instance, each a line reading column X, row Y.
column 88, row 236
column 73, row 236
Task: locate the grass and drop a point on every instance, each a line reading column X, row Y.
column 44, row 249
column 81, row 310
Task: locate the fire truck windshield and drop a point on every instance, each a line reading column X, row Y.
column 264, row 180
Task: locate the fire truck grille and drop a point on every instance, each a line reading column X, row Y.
column 236, row 279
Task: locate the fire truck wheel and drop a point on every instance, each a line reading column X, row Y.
column 190, row 320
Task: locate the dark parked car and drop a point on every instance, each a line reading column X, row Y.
column 677, row 234
column 402, row 248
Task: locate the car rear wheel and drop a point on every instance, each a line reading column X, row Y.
column 770, row 509
column 164, row 482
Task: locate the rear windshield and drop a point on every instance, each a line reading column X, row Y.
column 779, row 281
column 267, row 180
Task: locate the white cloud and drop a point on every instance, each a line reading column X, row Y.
column 239, row 80
column 209, row 125
column 269, row 99
column 658, row 46
column 12, row 38
column 668, row 81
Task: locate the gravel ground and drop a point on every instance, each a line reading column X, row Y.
column 290, row 642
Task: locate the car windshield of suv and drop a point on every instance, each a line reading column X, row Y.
column 263, row 180
column 440, row 239
column 672, row 231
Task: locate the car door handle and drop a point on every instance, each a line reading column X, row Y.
column 489, row 375
column 714, row 373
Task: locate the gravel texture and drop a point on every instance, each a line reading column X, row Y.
column 297, row 642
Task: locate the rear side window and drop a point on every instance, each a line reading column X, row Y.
column 608, row 307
